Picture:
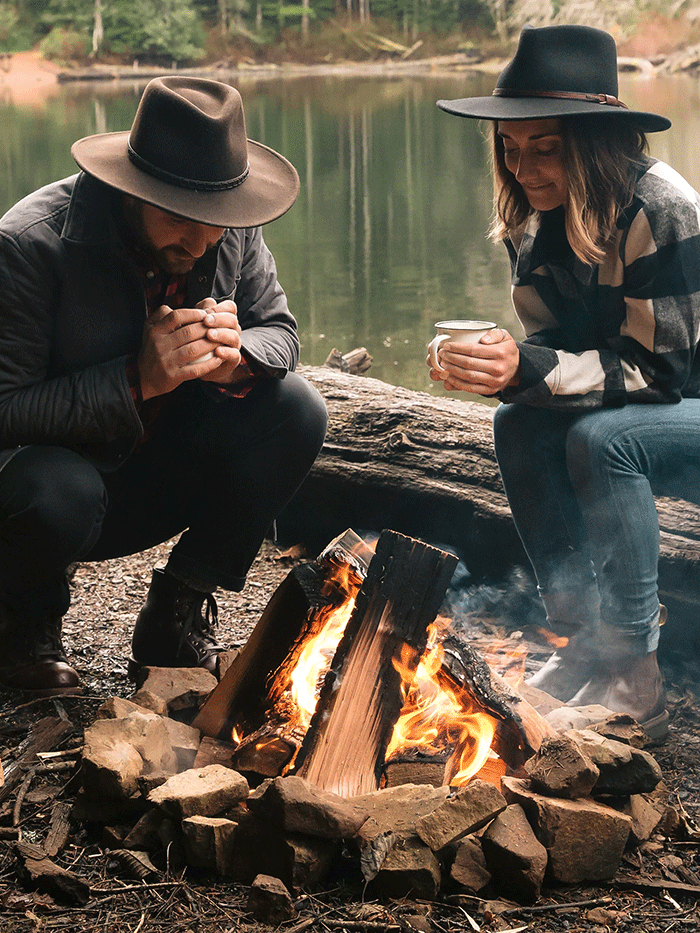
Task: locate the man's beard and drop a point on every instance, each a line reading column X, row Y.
column 172, row 259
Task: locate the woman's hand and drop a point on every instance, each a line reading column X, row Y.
column 483, row 368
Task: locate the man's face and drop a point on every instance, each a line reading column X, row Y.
column 173, row 242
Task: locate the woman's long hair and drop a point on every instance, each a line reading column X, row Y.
column 602, row 156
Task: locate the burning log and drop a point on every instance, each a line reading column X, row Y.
column 361, row 698
column 260, row 673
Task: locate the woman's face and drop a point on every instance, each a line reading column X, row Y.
column 534, row 153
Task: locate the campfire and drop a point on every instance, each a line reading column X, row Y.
column 356, row 731
column 365, row 685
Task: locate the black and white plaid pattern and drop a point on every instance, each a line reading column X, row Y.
column 624, row 331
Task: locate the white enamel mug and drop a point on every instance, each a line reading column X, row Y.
column 462, row 332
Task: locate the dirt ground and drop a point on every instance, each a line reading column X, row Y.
column 656, row 890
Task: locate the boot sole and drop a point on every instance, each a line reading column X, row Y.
column 657, row 727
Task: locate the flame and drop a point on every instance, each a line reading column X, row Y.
column 556, row 641
column 437, row 715
column 315, row 660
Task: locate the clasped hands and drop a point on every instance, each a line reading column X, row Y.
column 483, row 368
column 176, row 344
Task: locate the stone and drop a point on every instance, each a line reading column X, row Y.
column 576, row 717
column 184, row 741
column 297, row 806
column 514, row 856
column 214, row 752
column 269, row 901
column 623, row 769
column 182, row 688
column 567, row 827
column 469, row 870
column 397, row 809
column 298, row 861
column 208, row 791
column 622, row 728
column 410, row 870
column 560, row 768
column 463, row 812
column 117, row 751
column 210, row 842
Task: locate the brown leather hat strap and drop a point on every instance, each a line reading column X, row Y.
column 562, row 95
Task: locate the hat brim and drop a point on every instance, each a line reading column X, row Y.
column 545, row 108
column 268, row 192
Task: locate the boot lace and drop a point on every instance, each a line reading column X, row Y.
column 197, row 629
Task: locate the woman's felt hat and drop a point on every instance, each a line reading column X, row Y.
column 187, row 153
column 557, row 71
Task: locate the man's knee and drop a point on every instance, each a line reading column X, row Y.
column 52, row 490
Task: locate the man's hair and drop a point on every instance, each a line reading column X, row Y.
column 601, row 159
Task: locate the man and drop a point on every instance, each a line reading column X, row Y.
column 146, row 384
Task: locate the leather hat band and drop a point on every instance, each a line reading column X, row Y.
column 562, row 95
column 181, row 182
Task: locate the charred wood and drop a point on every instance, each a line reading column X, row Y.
column 361, row 699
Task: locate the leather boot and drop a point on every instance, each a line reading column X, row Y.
column 33, row 660
column 171, row 631
column 565, row 671
column 631, row 685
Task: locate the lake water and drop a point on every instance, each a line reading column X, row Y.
column 389, row 232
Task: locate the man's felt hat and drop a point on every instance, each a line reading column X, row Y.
column 557, row 71
column 187, row 153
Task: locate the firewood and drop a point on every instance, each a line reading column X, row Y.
column 520, row 729
column 361, row 699
column 259, row 674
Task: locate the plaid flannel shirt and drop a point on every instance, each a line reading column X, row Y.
column 624, row 331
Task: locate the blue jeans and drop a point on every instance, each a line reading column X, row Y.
column 581, row 489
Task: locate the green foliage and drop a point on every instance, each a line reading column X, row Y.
column 167, row 30
column 65, row 45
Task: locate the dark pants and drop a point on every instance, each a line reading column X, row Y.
column 218, row 470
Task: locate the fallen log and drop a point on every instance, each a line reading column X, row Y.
column 424, row 466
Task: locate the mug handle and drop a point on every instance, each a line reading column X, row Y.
column 433, row 348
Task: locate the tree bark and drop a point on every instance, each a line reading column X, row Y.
column 425, row 466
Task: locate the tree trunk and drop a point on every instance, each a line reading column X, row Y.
column 425, row 466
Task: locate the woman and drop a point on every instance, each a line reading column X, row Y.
column 602, row 397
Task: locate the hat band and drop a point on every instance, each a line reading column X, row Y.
column 563, row 95
column 181, row 182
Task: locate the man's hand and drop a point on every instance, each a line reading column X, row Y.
column 176, row 344
column 483, row 368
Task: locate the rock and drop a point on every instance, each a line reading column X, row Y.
column 208, row 791
column 118, row 751
column 184, row 741
column 566, row 829
column 269, row 901
column 182, row 688
column 296, row 806
column 210, row 842
column 622, row 728
column 623, row 769
column 576, row 717
column 214, row 752
column 516, row 859
column 410, row 869
column 463, row 812
column 397, row 809
column 560, row 768
column 298, row 861
column 469, row 870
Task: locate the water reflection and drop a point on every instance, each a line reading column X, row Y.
column 389, row 232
